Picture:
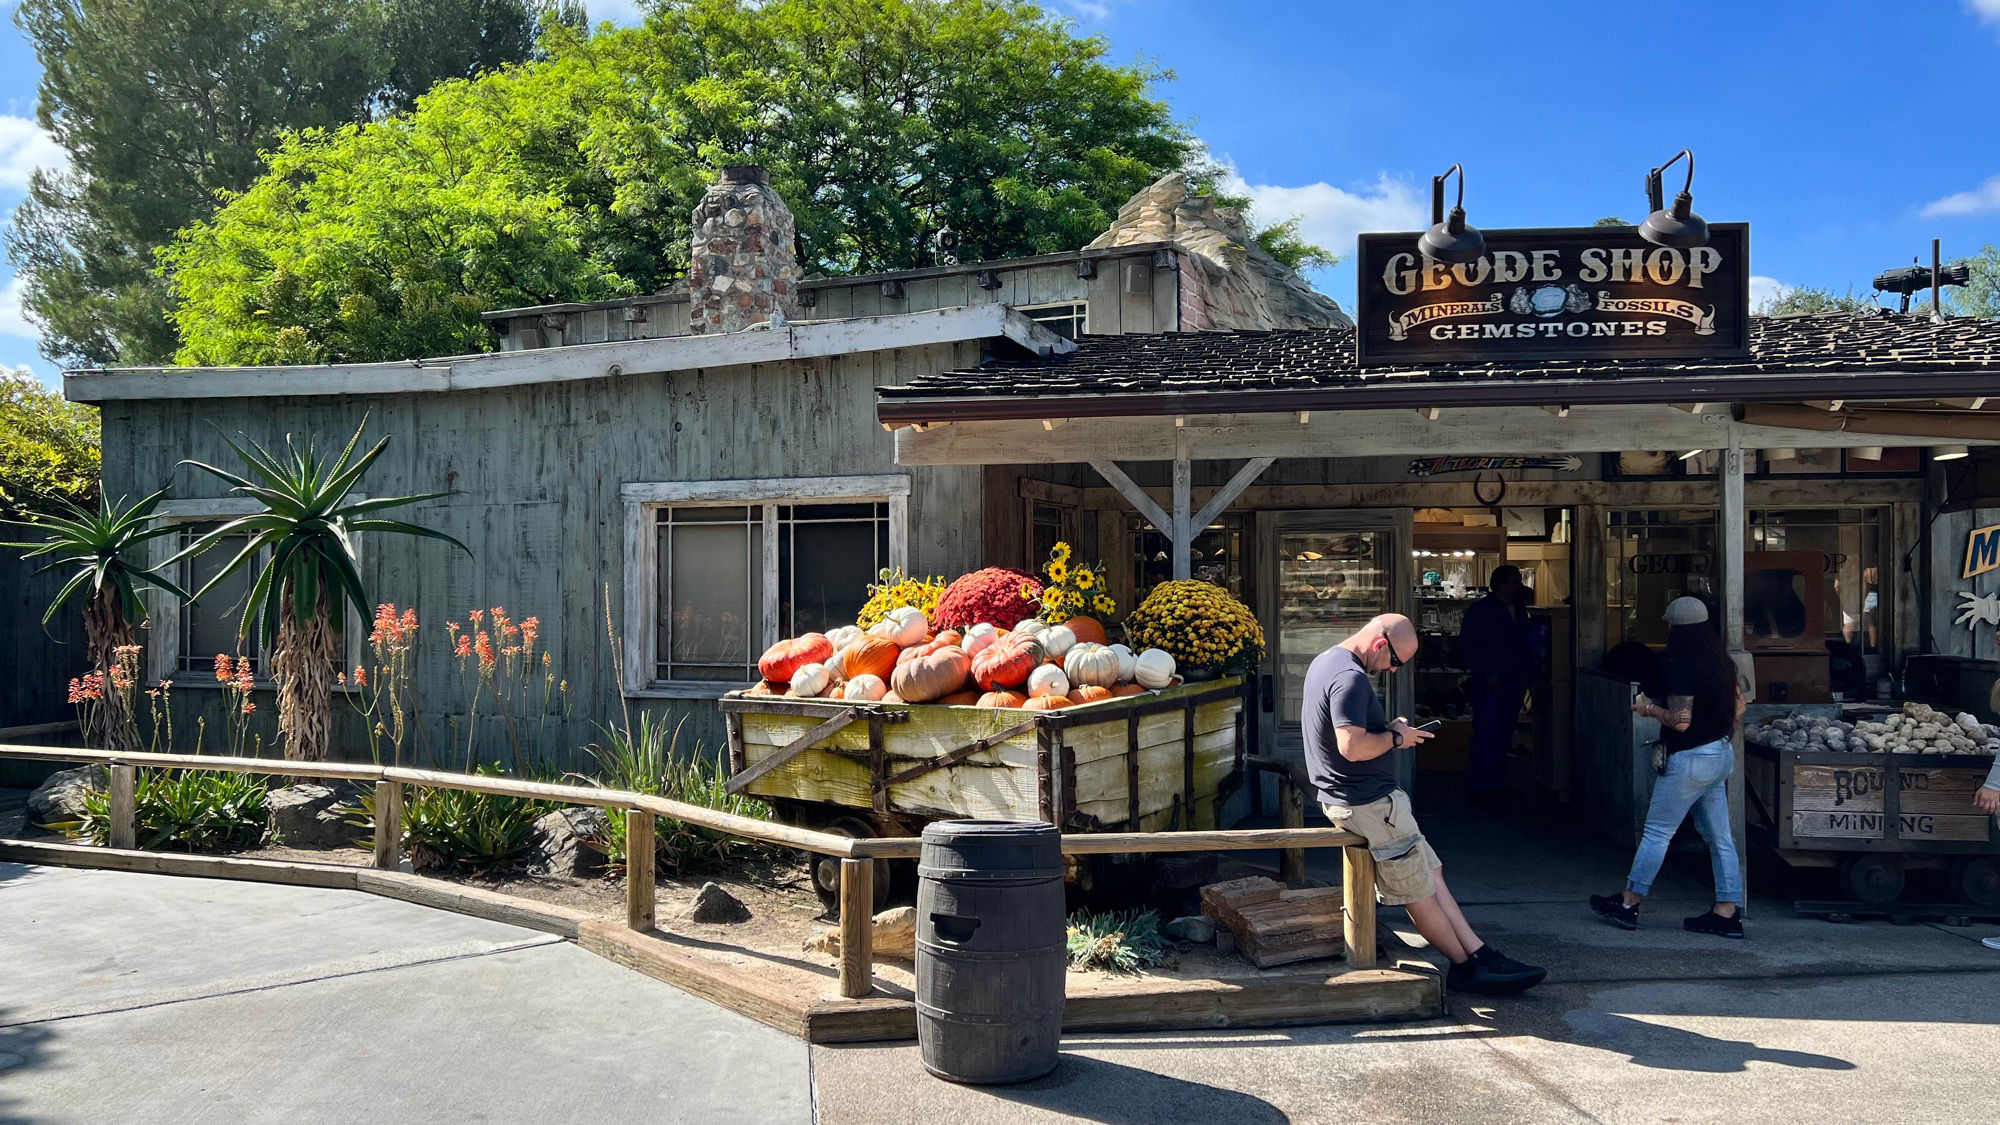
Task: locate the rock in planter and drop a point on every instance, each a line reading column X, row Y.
column 895, row 935
column 304, row 816
column 561, row 845
column 60, row 798
column 1192, row 928
column 715, row 905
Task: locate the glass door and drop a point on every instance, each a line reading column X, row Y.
column 1326, row 574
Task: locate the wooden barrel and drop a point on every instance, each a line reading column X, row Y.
column 990, row 950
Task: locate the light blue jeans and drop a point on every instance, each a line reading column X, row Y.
column 1697, row 779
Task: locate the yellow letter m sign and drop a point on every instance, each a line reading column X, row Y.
column 1982, row 550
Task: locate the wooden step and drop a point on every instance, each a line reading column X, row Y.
column 1276, row 925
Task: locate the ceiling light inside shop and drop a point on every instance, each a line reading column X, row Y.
column 1950, row 453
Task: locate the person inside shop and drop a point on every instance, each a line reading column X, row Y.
column 1703, row 705
column 1348, row 744
column 1498, row 649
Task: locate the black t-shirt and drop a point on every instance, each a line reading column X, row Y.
column 1338, row 693
column 1713, row 692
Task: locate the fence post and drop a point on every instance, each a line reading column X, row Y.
column 1358, row 897
column 389, row 825
column 1291, row 814
column 639, row 861
column 124, row 806
column 857, row 927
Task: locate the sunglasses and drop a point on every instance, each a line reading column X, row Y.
column 1395, row 661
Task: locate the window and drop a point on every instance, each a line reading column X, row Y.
column 1217, row 556
column 1849, row 585
column 721, row 569
column 1069, row 319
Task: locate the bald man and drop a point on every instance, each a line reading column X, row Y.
column 1348, row 744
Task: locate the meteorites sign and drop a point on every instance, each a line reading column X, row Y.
column 1579, row 294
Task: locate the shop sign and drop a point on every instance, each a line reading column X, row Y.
column 1432, row 466
column 1670, row 564
column 1583, row 293
column 1982, row 551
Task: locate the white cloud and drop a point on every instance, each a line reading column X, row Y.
column 1330, row 216
column 13, row 318
column 24, row 148
column 1764, row 290
column 1981, row 200
column 1987, row 10
column 624, row 13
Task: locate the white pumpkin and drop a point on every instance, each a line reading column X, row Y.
column 1153, row 668
column 1057, row 640
column 870, row 688
column 978, row 637
column 911, row 625
column 811, row 681
column 1047, row 680
column 1128, row 664
column 844, row 636
column 1090, row 664
column 885, row 628
column 1030, row 627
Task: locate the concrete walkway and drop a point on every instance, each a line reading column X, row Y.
column 152, row 998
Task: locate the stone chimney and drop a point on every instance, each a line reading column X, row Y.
column 744, row 270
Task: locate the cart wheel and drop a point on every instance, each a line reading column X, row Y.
column 826, row 869
column 1977, row 878
column 1874, row 879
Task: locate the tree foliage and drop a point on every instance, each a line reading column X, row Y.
column 573, row 177
column 162, row 104
column 1806, row 300
column 48, row 448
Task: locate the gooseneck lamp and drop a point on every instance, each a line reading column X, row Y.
column 1678, row 226
column 1450, row 240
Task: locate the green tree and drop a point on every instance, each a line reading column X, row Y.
column 162, row 104
column 1978, row 297
column 572, row 177
column 1611, row 221
column 1806, row 299
column 48, row 448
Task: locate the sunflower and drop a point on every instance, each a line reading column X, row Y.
column 1057, row 570
column 1060, row 554
column 1104, row 605
column 1084, row 578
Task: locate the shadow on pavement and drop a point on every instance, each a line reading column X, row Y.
column 1088, row 1089
column 22, row 1046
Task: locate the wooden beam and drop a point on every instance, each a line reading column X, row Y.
column 389, row 825
column 639, row 872
column 1183, row 532
column 1357, row 883
column 1734, row 543
column 1116, row 478
column 1228, row 493
column 857, row 927
column 743, row 779
column 124, row 806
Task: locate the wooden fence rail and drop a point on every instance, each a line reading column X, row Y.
column 857, row 856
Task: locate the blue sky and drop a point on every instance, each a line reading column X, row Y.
column 1848, row 134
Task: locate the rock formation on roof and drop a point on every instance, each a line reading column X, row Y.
column 1242, row 287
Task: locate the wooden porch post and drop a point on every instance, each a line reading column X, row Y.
column 1183, row 531
column 124, row 806
column 1734, row 540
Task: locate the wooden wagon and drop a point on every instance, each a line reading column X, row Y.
column 1160, row 761
column 1876, row 816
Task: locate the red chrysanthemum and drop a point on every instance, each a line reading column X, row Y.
column 993, row 595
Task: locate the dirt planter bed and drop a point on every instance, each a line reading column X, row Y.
column 760, row 972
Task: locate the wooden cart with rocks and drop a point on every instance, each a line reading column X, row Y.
column 1163, row 760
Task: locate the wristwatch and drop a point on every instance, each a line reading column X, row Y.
column 1395, row 739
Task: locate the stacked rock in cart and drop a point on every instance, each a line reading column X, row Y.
column 1918, row 729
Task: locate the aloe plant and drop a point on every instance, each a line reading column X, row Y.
column 98, row 549
column 304, row 537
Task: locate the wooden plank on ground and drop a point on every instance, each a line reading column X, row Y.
column 476, row 902
column 1282, row 998
column 288, row 872
column 739, row 989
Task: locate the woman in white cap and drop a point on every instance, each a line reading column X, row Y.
column 1701, row 711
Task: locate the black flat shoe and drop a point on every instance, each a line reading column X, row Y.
column 1489, row 972
column 1615, row 910
column 1712, row 923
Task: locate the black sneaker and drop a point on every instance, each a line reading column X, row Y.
column 1615, row 910
column 1488, row 972
column 1712, row 923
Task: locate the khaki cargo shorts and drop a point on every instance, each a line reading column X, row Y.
column 1403, row 858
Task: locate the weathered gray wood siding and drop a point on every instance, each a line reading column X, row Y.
column 38, row 662
column 535, row 473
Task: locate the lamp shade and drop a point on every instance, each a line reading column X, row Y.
column 1675, row 226
column 1950, row 453
column 1452, row 241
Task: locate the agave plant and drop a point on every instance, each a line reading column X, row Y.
column 98, row 549
column 307, row 573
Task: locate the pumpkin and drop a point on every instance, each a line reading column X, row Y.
column 885, row 629
column 1046, row 703
column 783, row 660
column 910, row 625
column 1047, row 680
column 869, row 656
column 811, row 680
column 1123, row 690
column 892, row 697
column 761, row 687
column 950, row 637
column 966, row 698
column 1089, row 693
column 1030, row 626
column 1001, row 699
column 1058, row 639
column 1154, row 668
column 844, row 636
column 1087, row 629
column 1128, row 664
column 864, row 687
column 1092, row 664
column 932, row 676
column 925, row 649
column 1007, row 662
column 978, row 637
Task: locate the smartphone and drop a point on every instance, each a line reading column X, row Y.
column 1430, row 727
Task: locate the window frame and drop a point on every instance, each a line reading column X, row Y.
column 1079, row 314
column 163, row 609
column 644, row 499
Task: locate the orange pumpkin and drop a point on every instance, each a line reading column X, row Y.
column 1001, row 699
column 932, row 676
column 1128, row 689
column 1089, row 693
column 1006, row 662
column 788, row 656
column 761, row 687
column 869, row 656
column 950, row 637
column 967, row 698
column 1087, row 629
column 1046, row 703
